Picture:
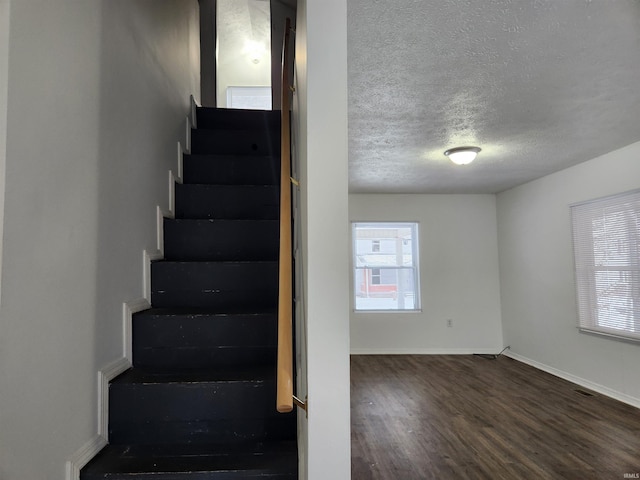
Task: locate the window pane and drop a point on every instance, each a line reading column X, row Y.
column 385, row 266
column 393, row 289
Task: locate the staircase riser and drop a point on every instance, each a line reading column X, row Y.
column 238, row 119
column 192, row 358
column 203, row 330
column 214, row 432
column 183, row 342
column 220, row 240
column 198, row 401
column 237, row 475
column 232, row 142
column 227, row 202
column 228, row 170
column 214, row 285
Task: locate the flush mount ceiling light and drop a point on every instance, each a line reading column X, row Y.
column 462, row 155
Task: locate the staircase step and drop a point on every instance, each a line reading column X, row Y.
column 230, row 170
column 214, row 284
column 234, row 118
column 256, row 202
column 271, row 460
column 190, row 239
column 210, row 406
column 235, row 142
column 185, row 339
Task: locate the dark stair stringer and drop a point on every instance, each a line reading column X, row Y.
column 199, row 402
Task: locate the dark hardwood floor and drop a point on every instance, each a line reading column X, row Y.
column 465, row 417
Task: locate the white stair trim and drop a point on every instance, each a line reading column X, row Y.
column 90, row 449
column 149, row 256
column 82, row 456
column 104, row 377
column 189, row 126
column 194, row 108
column 172, row 193
column 128, row 309
column 180, row 160
column 160, row 216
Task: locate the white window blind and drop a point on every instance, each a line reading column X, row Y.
column 606, row 243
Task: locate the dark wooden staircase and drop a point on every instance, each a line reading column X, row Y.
column 199, row 402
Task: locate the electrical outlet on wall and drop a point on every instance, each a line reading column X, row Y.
column 449, row 322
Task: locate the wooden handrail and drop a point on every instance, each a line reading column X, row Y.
column 284, row 400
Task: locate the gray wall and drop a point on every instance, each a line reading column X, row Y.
column 539, row 312
column 4, row 77
column 98, row 92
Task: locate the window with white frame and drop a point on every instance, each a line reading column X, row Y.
column 385, row 266
column 606, row 244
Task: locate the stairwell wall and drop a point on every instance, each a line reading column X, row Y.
column 321, row 130
column 4, row 77
column 98, row 92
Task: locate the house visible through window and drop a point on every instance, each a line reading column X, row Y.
column 606, row 243
column 375, row 276
column 385, row 259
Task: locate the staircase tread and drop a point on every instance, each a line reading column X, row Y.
column 207, row 312
column 231, row 156
column 214, row 113
column 222, row 220
column 239, row 111
column 268, row 457
column 230, row 186
column 247, row 110
column 253, row 374
column 242, row 262
column 241, row 129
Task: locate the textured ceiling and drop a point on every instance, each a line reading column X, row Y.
column 241, row 20
column 539, row 85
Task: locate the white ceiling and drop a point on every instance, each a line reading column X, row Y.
column 539, row 85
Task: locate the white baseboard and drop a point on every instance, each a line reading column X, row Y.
column 172, row 193
column 83, row 455
column 128, row 309
column 189, row 126
column 90, row 449
column 616, row 395
column 148, row 257
column 180, row 169
column 104, row 377
column 192, row 113
column 424, row 351
column 160, row 216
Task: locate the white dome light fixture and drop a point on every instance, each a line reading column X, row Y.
column 462, row 155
